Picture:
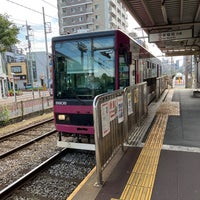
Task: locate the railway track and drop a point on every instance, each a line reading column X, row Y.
column 55, row 178
column 32, row 152
column 15, row 141
column 23, row 150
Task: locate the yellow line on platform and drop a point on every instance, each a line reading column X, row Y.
column 81, row 184
column 141, row 180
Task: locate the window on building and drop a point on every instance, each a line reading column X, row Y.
column 80, row 8
column 96, row 6
column 118, row 10
column 73, row 10
column 80, row 19
column 16, row 69
column 34, row 70
column 64, row 10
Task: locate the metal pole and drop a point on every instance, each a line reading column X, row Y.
column 47, row 54
column 96, row 115
column 186, row 73
column 197, row 75
column 195, row 72
column 14, row 87
column 30, row 60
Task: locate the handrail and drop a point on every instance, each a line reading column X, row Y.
column 112, row 112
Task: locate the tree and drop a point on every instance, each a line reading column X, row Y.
column 8, row 33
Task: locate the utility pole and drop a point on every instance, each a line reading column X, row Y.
column 46, row 45
column 30, row 68
column 13, row 79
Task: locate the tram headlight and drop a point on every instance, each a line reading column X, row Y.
column 61, row 117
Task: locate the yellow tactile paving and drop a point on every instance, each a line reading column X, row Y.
column 141, row 180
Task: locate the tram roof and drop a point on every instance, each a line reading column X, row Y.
column 174, row 26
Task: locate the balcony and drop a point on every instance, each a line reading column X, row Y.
column 67, row 4
column 112, row 10
column 113, row 20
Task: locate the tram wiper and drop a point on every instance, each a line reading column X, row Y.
column 76, row 96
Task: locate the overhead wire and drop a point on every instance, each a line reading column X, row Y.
column 36, row 11
column 31, row 9
column 21, row 22
column 49, row 4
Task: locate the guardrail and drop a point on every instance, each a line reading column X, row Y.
column 110, row 125
column 112, row 113
column 116, row 115
column 20, row 109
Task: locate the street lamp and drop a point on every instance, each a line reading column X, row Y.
column 14, row 86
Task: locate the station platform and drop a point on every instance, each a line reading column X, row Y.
column 164, row 166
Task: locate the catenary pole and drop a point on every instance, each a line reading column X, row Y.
column 47, row 54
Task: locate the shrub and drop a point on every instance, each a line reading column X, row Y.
column 4, row 115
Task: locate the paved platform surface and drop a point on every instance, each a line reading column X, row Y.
column 114, row 186
column 177, row 172
column 178, row 176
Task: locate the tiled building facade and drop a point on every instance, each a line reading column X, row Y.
column 91, row 15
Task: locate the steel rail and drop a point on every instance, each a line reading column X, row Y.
column 24, row 129
column 7, row 190
column 27, row 144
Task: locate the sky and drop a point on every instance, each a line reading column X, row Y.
column 21, row 12
column 133, row 26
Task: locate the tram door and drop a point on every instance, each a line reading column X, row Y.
column 133, row 72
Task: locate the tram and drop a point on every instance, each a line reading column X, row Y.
column 179, row 79
column 92, row 63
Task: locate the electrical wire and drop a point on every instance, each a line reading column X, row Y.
column 49, row 4
column 21, row 24
column 30, row 9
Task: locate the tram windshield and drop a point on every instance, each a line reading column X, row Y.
column 84, row 68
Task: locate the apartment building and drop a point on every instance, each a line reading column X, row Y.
column 91, row 15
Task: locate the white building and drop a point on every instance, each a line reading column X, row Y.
column 91, row 15
column 3, row 79
column 40, row 69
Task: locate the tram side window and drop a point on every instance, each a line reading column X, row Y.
column 154, row 70
column 123, row 73
column 60, row 86
column 145, row 70
column 148, row 70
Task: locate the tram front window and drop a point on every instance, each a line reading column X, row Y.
column 84, row 68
